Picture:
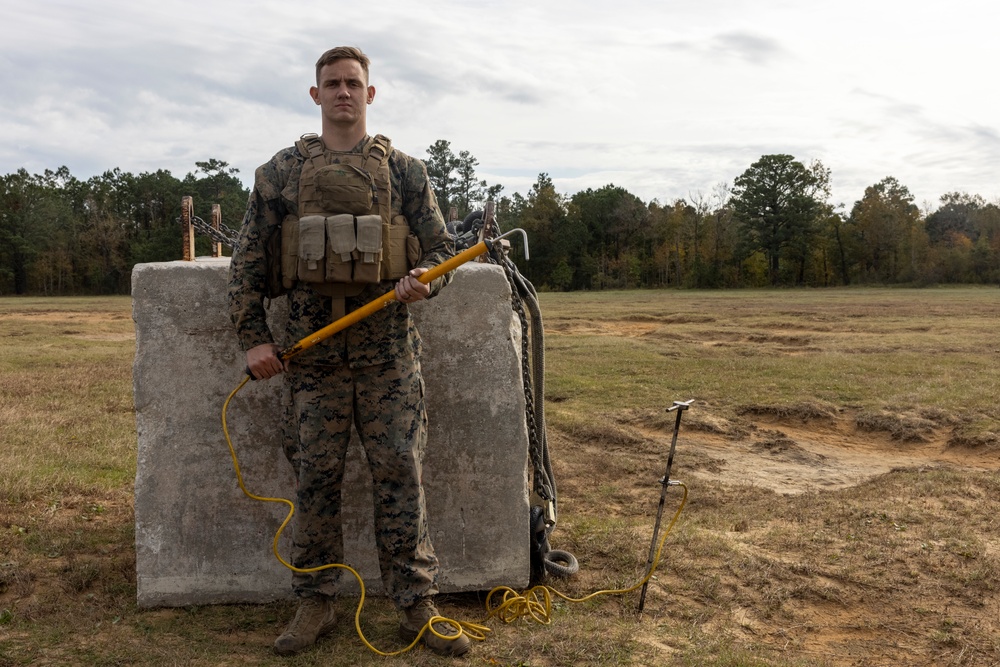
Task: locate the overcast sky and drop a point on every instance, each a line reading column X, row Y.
column 665, row 98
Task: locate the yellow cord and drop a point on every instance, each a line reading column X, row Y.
column 535, row 603
column 472, row 630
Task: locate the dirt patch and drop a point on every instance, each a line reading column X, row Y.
column 618, row 328
column 791, row 455
column 800, row 448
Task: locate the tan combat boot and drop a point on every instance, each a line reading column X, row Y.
column 314, row 618
column 416, row 617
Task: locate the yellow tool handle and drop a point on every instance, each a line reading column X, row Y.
column 384, row 300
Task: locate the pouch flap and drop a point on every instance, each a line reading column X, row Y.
column 312, row 239
column 369, row 237
column 340, row 229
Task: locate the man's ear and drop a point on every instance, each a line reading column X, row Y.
column 314, row 94
column 371, row 94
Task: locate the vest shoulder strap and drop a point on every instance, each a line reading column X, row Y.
column 312, row 149
column 310, row 145
column 377, row 151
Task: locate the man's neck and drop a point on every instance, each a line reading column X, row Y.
column 339, row 138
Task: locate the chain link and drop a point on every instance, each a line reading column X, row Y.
column 224, row 235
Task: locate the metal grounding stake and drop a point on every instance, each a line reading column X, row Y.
column 680, row 407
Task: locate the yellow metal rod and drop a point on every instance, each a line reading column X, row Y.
column 378, row 304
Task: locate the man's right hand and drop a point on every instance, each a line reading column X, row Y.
column 264, row 362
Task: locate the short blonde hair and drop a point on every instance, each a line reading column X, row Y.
column 340, row 53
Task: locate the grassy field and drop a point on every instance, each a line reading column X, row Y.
column 841, row 456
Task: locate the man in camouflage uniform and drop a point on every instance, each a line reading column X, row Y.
column 367, row 375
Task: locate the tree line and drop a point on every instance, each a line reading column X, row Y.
column 774, row 225
column 63, row 235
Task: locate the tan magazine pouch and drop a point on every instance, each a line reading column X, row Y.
column 368, row 263
column 312, row 248
column 340, row 237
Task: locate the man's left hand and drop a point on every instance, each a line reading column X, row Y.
column 409, row 289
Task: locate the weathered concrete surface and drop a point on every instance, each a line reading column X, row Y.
column 199, row 540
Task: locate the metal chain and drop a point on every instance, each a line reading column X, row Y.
column 536, row 440
column 540, row 481
column 541, row 484
column 224, row 235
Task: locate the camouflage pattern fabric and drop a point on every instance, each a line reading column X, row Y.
column 326, row 400
column 368, row 375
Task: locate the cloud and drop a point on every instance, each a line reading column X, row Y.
column 748, row 47
column 664, row 99
column 738, row 45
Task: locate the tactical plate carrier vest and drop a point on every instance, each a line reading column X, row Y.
column 345, row 236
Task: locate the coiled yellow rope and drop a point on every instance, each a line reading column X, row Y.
column 536, row 602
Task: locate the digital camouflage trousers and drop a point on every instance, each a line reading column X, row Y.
column 386, row 405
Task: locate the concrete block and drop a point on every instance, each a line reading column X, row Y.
column 199, row 540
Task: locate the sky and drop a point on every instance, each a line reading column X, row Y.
column 668, row 99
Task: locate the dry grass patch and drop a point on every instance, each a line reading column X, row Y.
column 805, row 411
column 901, row 426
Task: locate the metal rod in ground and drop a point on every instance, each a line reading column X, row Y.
column 679, row 407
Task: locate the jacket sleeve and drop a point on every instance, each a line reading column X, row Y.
column 426, row 221
column 248, row 270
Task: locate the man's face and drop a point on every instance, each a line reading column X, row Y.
column 342, row 92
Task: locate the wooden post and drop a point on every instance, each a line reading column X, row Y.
column 216, row 222
column 489, row 227
column 187, row 225
column 489, row 215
